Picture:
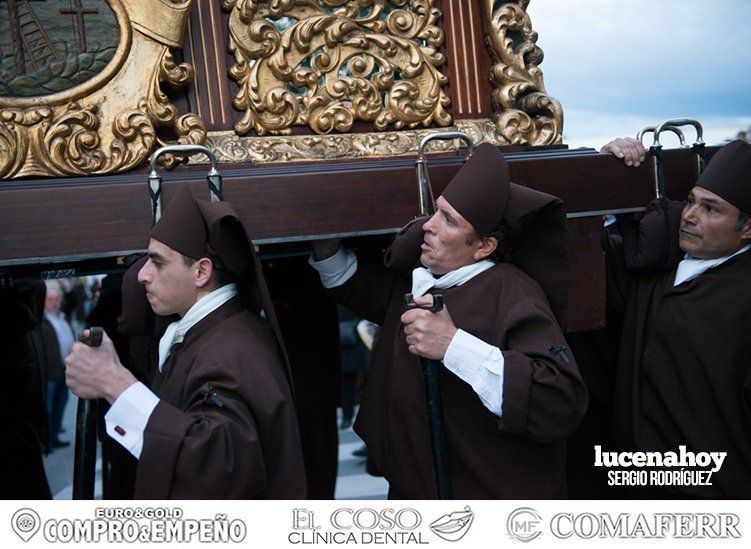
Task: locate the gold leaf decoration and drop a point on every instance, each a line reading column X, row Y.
column 71, row 143
column 329, row 63
column 190, row 128
column 134, row 136
column 229, row 147
column 526, row 114
column 176, row 76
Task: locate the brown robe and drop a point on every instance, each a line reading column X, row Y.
column 520, row 455
column 22, row 474
column 309, row 324
column 244, row 442
column 684, row 373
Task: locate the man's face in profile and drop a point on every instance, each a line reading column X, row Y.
column 169, row 281
column 449, row 242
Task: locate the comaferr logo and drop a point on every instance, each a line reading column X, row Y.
column 454, row 526
column 644, row 525
column 525, row 524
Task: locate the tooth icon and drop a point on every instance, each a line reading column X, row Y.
column 454, row 526
column 25, row 523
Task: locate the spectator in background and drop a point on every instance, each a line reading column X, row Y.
column 57, row 336
column 79, row 299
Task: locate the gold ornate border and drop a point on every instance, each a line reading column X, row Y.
column 230, row 147
column 526, row 114
column 111, row 122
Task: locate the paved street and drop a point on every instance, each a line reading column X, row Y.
column 352, row 482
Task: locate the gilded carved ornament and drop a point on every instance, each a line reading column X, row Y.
column 229, row 147
column 110, row 121
column 291, row 65
column 326, row 64
column 525, row 113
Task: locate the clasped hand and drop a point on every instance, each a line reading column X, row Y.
column 428, row 334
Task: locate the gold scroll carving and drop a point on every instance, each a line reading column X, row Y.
column 525, row 113
column 229, row 147
column 326, row 64
column 111, row 122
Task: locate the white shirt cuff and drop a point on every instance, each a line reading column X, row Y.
column 127, row 417
column 479, row 364
column 337, row 269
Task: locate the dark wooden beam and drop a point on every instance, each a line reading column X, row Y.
column 41, row 220
column 86, row 223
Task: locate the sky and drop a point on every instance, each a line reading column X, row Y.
column 620, row 65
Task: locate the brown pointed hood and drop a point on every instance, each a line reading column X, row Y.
column 728, row 175
column 480, row 189
column 201, row 228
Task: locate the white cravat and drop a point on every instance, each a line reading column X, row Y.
column 176, row 331
column 690, row 268
column 423, row 279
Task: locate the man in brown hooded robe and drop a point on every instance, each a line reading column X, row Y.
column 684, row 371
column 219, row 418
column 510, row 388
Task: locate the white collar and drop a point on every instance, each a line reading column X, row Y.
column 176, row 331
column 423, row 280
column 690, row 268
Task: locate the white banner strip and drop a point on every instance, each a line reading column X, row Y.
column 496, row 524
